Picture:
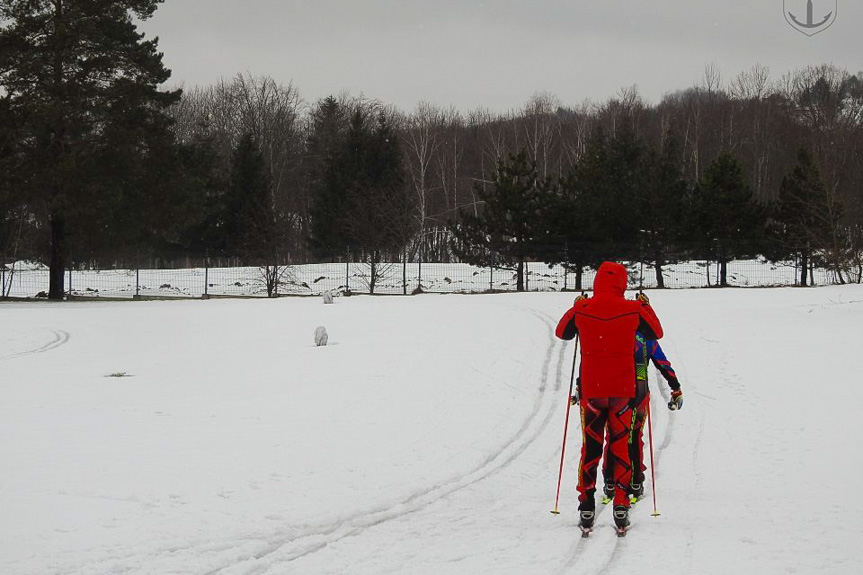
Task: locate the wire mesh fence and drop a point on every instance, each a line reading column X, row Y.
column 31, row 281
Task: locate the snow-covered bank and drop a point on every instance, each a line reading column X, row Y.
column 423, row 439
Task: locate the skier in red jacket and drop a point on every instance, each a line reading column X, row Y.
column 606, row 324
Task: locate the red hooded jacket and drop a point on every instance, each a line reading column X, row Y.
column 607, row 323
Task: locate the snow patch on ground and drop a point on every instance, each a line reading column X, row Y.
column 425, row 438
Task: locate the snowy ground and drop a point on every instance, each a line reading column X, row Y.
column 424, row 439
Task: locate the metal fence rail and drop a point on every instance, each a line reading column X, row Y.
column 392, row 278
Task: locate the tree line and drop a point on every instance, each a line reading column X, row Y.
column 99, row 166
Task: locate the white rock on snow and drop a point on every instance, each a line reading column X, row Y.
column 321, row 336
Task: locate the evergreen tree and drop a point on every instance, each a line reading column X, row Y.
column 249, row 219
column 362, row 202
column 802, row 215
column 513, row 217
column 574, row 230
column 603, row 196
column 379, row 207
column 205, row 175
column 732, row 224
column 8, row 173
column 620, row 204
column 329, row 206
column 71, row 69
column 661, row 207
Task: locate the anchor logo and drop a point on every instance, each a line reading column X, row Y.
column 813, row 24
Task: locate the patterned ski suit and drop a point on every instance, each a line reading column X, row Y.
column 646, row 350
column 606, row 324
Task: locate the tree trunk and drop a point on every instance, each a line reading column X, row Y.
column 579, row 277
column 723, row 272
column 57, row 271
column 519, row 279
column 660, row 281
column 804, row 267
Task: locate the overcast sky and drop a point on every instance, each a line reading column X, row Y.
column 494, row 53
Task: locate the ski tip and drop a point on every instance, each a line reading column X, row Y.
column 621, row 531
column 585, row 533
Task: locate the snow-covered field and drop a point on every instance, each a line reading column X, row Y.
column 424, row 439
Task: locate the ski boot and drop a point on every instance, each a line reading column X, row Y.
column 621, row 519
column 585, row 522
column 636, row 492
column 586, row 516
column 607, row 492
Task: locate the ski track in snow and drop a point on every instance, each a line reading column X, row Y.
column 60, row 338
column 595, row 555
column 279, row 550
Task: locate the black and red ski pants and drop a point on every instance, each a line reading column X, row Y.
column 597, row 416
column 635, row 443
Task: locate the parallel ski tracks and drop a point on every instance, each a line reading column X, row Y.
column 317, row 538
column 60, row 338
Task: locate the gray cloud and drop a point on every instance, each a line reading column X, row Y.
column 494, row 54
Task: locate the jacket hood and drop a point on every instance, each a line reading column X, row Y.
column 610, row 279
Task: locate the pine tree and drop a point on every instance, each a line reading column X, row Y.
column 513, row 217
column 574, row 205
column 661, row 206
column 250, row 223
column 71, row 69
column 328, row 201
column 805, row 220
column 362, row 203
column 379, row 209
column 619, row 205
column 730, row 221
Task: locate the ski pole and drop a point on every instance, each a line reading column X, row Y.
column 652, row 474
column 565, row 426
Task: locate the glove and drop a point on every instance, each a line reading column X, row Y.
column 676, row 402
column 642, row 298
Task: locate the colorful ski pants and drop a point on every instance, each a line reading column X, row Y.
column 597, row 416
column 635, row 443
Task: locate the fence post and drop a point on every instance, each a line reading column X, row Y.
column 70, row 281
column 348, row 270
column 206, row 278
column 491, row 273
column 137, row 282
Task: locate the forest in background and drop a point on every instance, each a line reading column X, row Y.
column 112, row 173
